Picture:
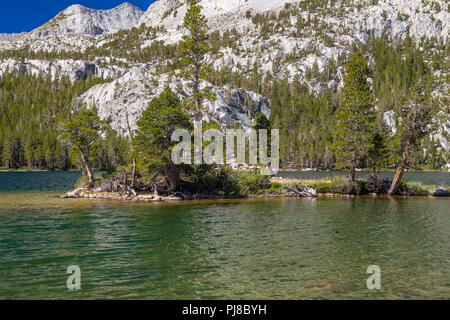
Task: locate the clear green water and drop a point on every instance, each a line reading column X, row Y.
column 246, row 249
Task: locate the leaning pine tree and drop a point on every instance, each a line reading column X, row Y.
column 82, row 133
column 414, row 121
column 356, row 117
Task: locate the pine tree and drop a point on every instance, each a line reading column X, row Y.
column 82, row 133
column 414, row 120
column 152, row 140
column 193, row 49
column 262, row 122
column 355, row 117
column 7, row 154
column 377, row 156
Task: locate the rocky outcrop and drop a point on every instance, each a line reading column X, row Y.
column 132, row 92
column 395, row 17
column 74, row 29
column 74, row 69
column 10, row 37
column 441, row 192
column 89, row 194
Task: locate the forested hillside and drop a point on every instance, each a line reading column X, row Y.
column 306, row 119
column 282, row 58
column 31, row 110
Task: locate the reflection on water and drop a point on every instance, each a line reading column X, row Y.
column 256, row 249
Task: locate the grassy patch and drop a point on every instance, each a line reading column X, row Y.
column 227, row 182
column 321, row 186
column 250, row 183
column 340, row 185
column 275, row 188
column 416, row 188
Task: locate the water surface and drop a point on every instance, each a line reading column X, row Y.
column 245, row 249
column 38, row 180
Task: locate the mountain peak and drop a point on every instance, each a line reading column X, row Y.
column 125, row 4
column 78, row 19
column 77, row 8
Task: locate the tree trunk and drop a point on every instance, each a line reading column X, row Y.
column 376, row 179
column 90, row 175
column 87, row 167
column 375, row 175
column 352, row 174
column 400, row 170
column 196, row 88
column 125, row 182
column 130, row 133
column 133, row 175
column 197, row 81
column 172, row 175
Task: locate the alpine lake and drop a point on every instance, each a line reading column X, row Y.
column 268, row 248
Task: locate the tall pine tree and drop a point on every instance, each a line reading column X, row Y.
column 193, row 49
column 153, row 138
column 355, row 117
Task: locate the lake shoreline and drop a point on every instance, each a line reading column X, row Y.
column 281, row 170
column 77, row 194
column 279, row 188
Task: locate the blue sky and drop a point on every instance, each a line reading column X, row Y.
column 26, row 15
